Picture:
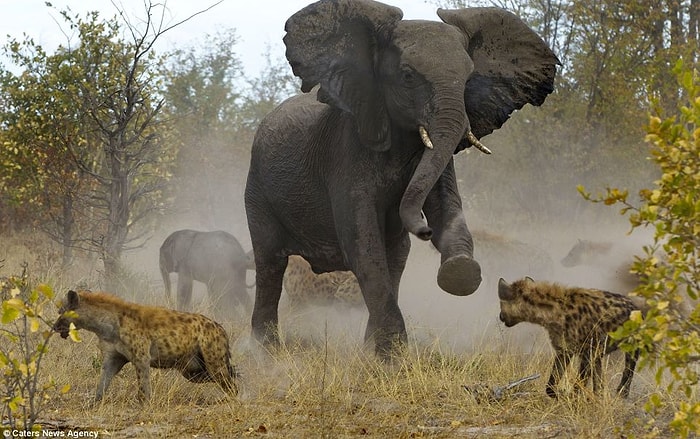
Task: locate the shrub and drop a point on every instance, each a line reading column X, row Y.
column 25, row 334
column 668, row 335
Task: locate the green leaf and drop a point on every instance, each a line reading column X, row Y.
column 9, row 314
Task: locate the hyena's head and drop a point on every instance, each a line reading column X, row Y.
column 516, row 306
column 67, row 313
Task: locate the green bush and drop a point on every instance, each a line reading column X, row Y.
column 24, row 336
column 668, row 334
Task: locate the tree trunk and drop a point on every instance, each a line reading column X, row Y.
column 67, row 229
column 118, row 216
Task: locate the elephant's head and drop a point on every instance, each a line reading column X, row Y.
column 450, row 83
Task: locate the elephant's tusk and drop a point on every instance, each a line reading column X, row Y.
column 425, row 138
column 471, row 138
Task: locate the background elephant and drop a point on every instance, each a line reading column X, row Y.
column 342, row 173
column 213, row 258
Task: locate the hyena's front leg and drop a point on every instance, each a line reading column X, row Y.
column 597, row 373
column 584, row 370
column 561, row 361
column 143, row 374
column 112, row 363
column 141, row 358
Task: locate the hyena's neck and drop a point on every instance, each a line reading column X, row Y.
column 106, row 327
column 548, row 314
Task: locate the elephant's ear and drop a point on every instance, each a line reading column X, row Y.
column 334, row 43
column 513, row 66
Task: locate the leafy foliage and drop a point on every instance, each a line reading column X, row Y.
column 216, row 111
column 668, row 336
column 24, row 336
column 83, row 142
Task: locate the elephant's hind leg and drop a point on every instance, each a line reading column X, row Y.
column 268, row 280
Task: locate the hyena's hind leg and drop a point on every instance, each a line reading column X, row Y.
column 217, row 361
column 590, row 368
column 627, row 375
column 195, row 369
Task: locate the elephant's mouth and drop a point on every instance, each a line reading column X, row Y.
column 469, row 137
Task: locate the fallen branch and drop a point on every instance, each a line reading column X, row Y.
column 482, row 391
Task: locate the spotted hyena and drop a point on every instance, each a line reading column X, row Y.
column 578, row 321
column 305, row 287
column 148, row 337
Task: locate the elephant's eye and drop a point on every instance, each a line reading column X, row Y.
column 408, row 77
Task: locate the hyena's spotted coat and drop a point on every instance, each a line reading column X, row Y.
column 149, row 336
column 305, row 287
column 577, row 320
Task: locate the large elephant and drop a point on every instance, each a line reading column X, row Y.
column 213, row 258
column 342, row 173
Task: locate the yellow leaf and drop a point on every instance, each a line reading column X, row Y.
column 663, row 304
column 455, row 424
column 655, row 196
column 33, row 324
column 14, row 303
column 636, row 316
column 65, row 389
column 46, row 290
column 9, row 315
column 73, row 333
column 15, row 403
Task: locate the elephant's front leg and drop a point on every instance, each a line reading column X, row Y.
column 385, row 325
column 184, row 290
column 459, row 273
column 378, row 270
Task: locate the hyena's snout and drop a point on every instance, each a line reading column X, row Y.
column 62, row 326
column 507, row 320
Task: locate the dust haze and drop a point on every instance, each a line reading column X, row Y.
column 518, row 231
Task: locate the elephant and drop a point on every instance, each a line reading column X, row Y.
column 213, row 258
column 342, row 173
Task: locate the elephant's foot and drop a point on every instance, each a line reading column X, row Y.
column 388, row 344
column 459, row 275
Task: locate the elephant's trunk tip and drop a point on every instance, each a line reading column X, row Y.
column 414, row 223
column 424, row 233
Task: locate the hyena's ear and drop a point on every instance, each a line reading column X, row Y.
column 505, row 291
column 529, row 279
column 72, row 300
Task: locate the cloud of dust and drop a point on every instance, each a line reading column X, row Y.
column 509, row 246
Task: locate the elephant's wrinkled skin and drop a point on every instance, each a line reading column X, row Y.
column 213, row 258
column 340, row 175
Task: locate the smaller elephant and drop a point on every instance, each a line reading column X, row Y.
column 213, row 258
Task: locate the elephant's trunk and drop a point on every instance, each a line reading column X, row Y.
column 443, row 135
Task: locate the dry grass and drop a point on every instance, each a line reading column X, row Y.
column 339, row 389
column 324, row 383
